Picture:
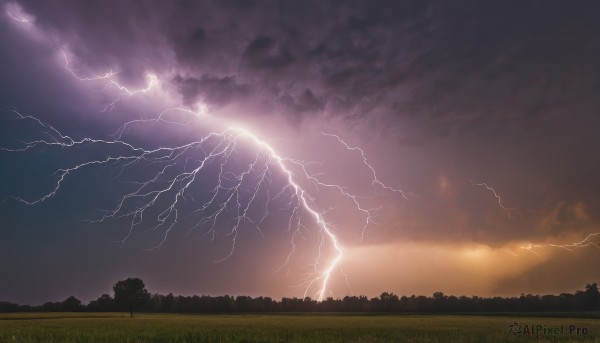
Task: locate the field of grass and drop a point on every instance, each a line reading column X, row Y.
column 116, row 327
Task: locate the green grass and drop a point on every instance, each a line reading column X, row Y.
column 116, row 327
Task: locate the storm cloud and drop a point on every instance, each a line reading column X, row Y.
column 441, row 96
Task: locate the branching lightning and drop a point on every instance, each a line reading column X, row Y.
column 181, row 168
column 110, row 81
column 107, row 76
column 375, row 181
column 158, row 202
column 533, row 247
column 591, row 240
column 506, row 209
column 586, row 242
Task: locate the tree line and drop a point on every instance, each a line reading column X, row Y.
column 130, row 295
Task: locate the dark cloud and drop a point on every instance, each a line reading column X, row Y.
column 445, row 65
column 308, row 101
column 265, row 53
column 211, row 89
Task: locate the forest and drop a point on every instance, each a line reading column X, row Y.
column 137, row 298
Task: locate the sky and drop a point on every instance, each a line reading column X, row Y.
column 446, row 146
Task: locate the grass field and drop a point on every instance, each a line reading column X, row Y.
column 116, row 327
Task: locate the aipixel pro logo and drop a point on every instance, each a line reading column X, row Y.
column 541, row 329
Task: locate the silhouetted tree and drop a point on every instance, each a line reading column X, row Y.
column 592, row 297
column 72, row 304
column 103, row 304
column 131, row 294
column 8, row 307
column 52, row 307
column 389, row 301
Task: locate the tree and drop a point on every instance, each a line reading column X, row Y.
column 72, row 304
column 389, row 301
column 592, row 297
column 103, row 304
column 131, row 294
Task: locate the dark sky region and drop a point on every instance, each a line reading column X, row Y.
column 442, row 96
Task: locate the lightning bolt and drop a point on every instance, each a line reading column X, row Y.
column 375, row 182
column 110, row 81
column 508, row 210
column 179, row 174
column 588, row 241
column 178, row 169
column 531, row 247
column 106, row 76
column 15, row 12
